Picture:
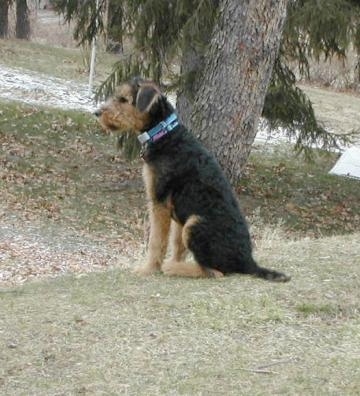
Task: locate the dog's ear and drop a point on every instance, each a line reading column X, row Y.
column 147, row 98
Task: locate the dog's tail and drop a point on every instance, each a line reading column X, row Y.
column 271, row 275
column 251, row 267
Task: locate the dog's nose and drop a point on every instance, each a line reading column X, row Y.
column 98, row 112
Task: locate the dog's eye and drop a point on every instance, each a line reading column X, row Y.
column 121, row 99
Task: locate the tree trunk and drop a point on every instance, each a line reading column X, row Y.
column 237, row 72
column 114, row 23
column 191, row 62
column 4, row 10
column 22, row 20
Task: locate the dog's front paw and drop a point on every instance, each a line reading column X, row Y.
column 146, row 270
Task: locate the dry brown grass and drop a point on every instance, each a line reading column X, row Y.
column 47, row 27
column 115, row 333
column 69, row 204
column 337, row 111
column 338, row 74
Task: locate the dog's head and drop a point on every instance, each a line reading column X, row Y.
column 135, row 106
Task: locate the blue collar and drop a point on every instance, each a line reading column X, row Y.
column 160, row 130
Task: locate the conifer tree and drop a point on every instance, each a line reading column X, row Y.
column 164, row 33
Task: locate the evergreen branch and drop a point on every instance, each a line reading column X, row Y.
column 287, row 106
column 123, row 70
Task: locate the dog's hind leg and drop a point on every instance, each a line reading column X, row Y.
column 176, row 266
column 159, row 235
column 189, row 270
column 178, row 249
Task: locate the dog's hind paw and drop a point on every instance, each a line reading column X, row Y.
column 213, row 273
column 191, row 270
column 146, row 270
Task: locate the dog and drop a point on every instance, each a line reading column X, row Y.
column 186, row 190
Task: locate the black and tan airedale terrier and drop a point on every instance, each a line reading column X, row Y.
column 186, row 187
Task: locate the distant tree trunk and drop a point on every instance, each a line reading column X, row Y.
column 114, row 26
column 234, row 82
column 22, row 20
column 4, row 11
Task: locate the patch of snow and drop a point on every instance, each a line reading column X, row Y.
column 40, row 89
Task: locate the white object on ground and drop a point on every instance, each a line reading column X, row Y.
column 348, row 164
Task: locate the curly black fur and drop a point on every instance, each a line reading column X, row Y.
column 190, row 178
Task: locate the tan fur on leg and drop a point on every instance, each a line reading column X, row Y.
column 186, row 232
column 189, row 270
column 159, row 235
column 178, row 250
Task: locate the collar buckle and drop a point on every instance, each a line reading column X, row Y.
column 144, row 137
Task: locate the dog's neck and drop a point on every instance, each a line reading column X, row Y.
column 162, row 129
column 164, row 121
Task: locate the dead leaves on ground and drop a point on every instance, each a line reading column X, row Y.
column 58, row 166
column 310, row 201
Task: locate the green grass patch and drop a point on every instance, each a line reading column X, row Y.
column 308, row 309
column 66, row 63
column 338, row 111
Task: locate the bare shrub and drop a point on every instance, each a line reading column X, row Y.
column 340, row 74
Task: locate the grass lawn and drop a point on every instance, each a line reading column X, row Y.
column 66, row 63
column 282, row 187
column 57, row 165
column 338, row 111
column 114, row 333
column 66, row 191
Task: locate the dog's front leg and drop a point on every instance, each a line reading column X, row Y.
column 159, row 235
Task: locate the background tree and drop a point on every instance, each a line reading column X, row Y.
column 236, row 75
column 4, row 24
column 22, row 20
column 114, row 24
column 179, row 31
column 313, row 30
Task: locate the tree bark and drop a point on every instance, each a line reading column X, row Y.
column 238, row 68
column 22, row 20
column 4, row 24
column 114, row 22
column 191, row 62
